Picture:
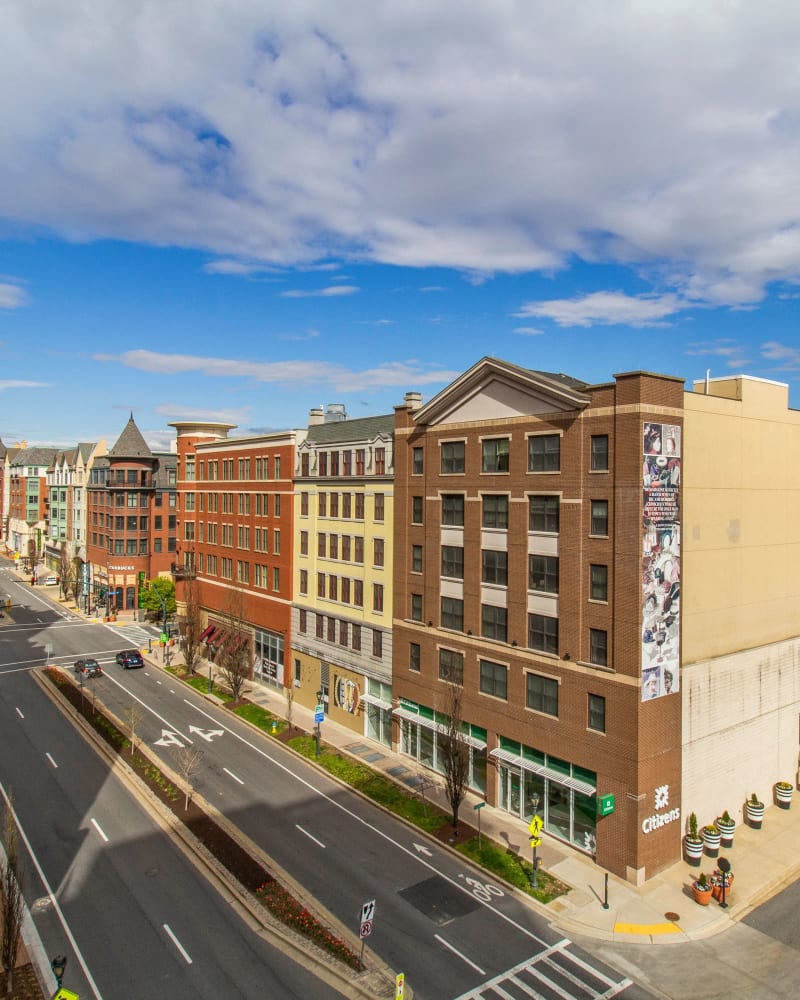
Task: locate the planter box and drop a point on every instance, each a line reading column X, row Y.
column 755, row 814
column 783, row 795
column 693, row 850
column 711, row 841
column 702, row 896
column 726, row 832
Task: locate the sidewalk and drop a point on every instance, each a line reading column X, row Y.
column 661, row 911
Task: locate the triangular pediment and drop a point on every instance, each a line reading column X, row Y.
column 497, row 390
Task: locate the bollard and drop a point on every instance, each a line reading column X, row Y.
column 605, row 901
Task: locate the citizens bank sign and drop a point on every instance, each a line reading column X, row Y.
column 659, row 819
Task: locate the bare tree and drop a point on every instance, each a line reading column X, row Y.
column 65, row 570
column 33, row 556
column 77, row 578
column 189, row 760
column 134, row 716
column 11, row 899
column 233, row 659
column 193, row 625
column 455, row 750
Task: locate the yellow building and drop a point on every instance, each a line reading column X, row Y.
column 740, row 681
column 342, row 607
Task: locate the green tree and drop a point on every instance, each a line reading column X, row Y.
column 161, row 592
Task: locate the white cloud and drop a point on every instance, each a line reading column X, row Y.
column 309, row 335
column 732, row 353
column 788, row 357
column 330, row 292
column 10, row 383
column 337, row 377
column 606, row 308
column 175, row 412
column 528, row 331
column 458, row 134
column 12, row 296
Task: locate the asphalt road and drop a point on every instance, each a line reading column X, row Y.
column 436, row 919
column 106, row 887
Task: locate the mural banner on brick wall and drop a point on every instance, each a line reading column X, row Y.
column 661, row 562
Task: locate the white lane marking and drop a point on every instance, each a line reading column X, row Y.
column 367, row 825
column 178, row 945
column 171, row 691
column 144, row 705
column 51, row 760
column 310, row 836
column 51, row 896
column 99, row 829
column 233, row 775
column 20, row 714
column 463, row 958
column 159, row 684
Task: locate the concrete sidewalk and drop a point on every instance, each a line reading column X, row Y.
column 662, row 911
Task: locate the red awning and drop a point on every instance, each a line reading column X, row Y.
column 208, row 632
column 219, row 639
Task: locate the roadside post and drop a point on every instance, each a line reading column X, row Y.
column 319, row 716
column 535, row 830
column 365, row 924
column 477, row 809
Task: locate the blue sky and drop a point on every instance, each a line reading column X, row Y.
column 239, row 211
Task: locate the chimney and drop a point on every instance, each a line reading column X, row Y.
column 413, row 400
column 316, row 415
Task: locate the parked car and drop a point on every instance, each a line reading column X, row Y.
column 130, row 658
column 51, row 581
column 88, row 668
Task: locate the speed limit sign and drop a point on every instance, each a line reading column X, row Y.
column 366, row 929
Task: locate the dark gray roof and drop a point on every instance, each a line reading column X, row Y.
column 130, row 443
column 567, row 380
column 35, row 456
column 85, row 449
column 342, row 431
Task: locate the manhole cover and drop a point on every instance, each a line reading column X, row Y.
column 673, row 917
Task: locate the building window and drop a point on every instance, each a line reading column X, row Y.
column 334, row 505
column 494, row 567
column 379, row 506
column 599, row 517
column 598, row 582
column 304, row 504
column 320, row 627
column 303, row 582
column 414, row 656
column 359, row 506
column 331, row 630
column 303, row 542
column 452, row 457
column 322, row 463
column 357, row 638
column 494, row 679
column 334, row 463
column 453, row 613
column 451, row 666
column 453, row 509
column 377, row 597
column 377, row 643
column 304, row 465
column 495, row 511
column 360, row 462
column 347, row 464
column 494, row 455
column 599, row 453
column 543, row 514
column 543, row 633
column 347, row 504
column 416, row 510
column 544, row 453
column 343, row 633
column 543, row 574
column 416, row 558
column 321, row 544
column 417, row 461
column 346, row 548
column 359, row 549
column 494, row 622
column 416, row 607
column 380, row 461
column 345, row 590
column 453, row 562
column 597, row 713
column 333, row 546
column 333, row 588
column 598, row 647
column 303, row 622
column 378, row 551
column 541, row 694
column 320, row 584
column 358, row 594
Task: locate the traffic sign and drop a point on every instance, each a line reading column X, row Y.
column 319, row 714
column 366, row 929
column 368, row 911
column 400, row 986
column 536, row 825
column 536, row 841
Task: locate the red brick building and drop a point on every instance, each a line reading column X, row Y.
column 236, row 537
column 131, row 520
column 518, row 570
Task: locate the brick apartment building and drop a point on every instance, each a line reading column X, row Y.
column 236, row 538
column 131, row 520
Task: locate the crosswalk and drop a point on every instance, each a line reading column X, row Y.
column 554, row 974
column 136, row 636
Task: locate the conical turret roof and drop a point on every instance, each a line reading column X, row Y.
column 130, row 443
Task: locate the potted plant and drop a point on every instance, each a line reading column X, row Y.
column 755, row 811
column 783, row 794
column 717, row 879
column 702, row 889
column 711, row 839
column 693, row 843
column 726, row 826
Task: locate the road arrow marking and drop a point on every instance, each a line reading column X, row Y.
column 207, row 734
column 168, row 739
column 422, row 849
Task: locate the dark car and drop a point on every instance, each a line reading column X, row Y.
column 88, row 668
column 130, row 658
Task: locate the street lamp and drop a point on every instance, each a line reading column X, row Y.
column 535, row 841
column 58, row 965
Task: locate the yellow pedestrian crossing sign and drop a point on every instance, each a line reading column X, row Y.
column 536, row 825
column 536, row 841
